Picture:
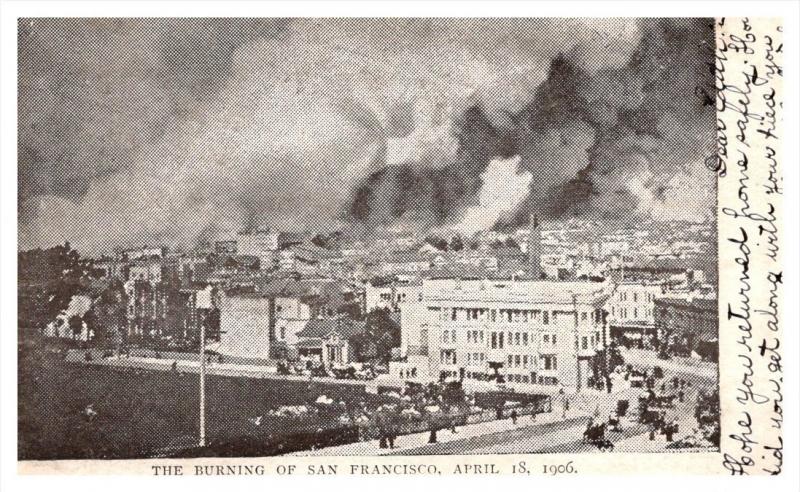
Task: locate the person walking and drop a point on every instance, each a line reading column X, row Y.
column 514, row 417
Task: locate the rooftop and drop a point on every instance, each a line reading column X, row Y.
column 322, row 328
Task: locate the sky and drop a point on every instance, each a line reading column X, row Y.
column 172, row 131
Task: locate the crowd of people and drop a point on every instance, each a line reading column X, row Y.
column 313, row 368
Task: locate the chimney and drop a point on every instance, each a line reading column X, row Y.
column 535, row 248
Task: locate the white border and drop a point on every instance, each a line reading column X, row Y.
column 8, row 179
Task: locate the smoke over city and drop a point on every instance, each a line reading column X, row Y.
column 141, row 131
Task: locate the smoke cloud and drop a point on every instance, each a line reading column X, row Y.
column 504, row 188
column 137, row 131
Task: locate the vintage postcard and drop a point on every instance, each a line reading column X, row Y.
column 400, row 246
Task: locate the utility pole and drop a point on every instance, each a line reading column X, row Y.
column 202, row 441
column 577, row 345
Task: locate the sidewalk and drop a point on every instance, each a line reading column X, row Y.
column 642, row 444
column 214, row 368
column 639, row 357
column 419, row 440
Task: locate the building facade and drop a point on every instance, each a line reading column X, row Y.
column 520, row 331
column 630, row 310
column 394, row 295
column 688, row 324
column 245, row 325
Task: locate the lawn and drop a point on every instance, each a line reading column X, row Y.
column 139, row 413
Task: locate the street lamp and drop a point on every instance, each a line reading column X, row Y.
column 577, row 346
column 202, row 441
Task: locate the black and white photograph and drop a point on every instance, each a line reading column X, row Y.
column 251, row 237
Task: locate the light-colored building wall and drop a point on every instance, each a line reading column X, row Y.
column 378, row 296
column 397, row 295
column 146, row 270
column 291, row 308
column 539, row 332
column 244, row 322
column 632, row 302
column 256, row 242
column 144, row 252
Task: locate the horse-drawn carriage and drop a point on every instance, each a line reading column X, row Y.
column 595, row 434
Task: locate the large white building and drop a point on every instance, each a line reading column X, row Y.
column 394, row 295
column 245, row 326
column 529, row 331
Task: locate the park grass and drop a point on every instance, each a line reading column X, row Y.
column 144, row 413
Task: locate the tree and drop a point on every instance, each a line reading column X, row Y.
column 212, row 323
column 380, row 335
column 604, row 362
column 456, row 243
column 75, row 325
column 90, row 320
column 46, row 281
column 110, row 309
column 351, row 310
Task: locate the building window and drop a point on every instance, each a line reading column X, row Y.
column 584, row 343
column 554, row 338
column 549, row 362
column 546, row 338
column 494, row 339
column 583, row 316
column 525, row 339
column 517, row 337
column 546, row 317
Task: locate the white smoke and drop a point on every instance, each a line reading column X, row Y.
column 504, row 188
column 274, row 141
column 431, row 142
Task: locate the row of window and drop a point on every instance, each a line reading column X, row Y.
column 518, row 361
column 510, row 315
column 623, row 312
column 401, row 297
column 499, row 339
column 512, row 378
column 476, row 359
column 646, row 296
column 547, row 362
